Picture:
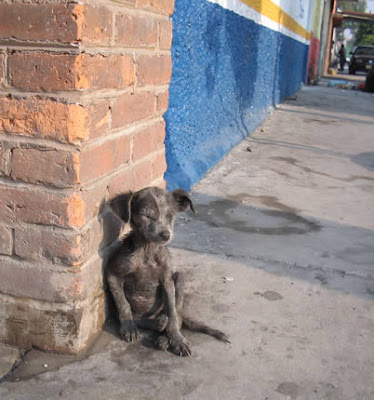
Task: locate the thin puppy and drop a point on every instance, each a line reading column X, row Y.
column 147, row 291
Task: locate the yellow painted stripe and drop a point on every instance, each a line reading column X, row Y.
column 270, row 10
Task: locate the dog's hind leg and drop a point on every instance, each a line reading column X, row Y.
column 162, row 342
column 157, row 324
column 180, row 285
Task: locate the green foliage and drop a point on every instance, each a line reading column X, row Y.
column 358, row 6
column 365, row 34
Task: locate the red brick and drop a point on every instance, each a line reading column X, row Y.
column 101, row 159
column 94, row 198
column 148, row 140
column 135, row 31
column 159, row 165
column 105, row 72
column 43, row 118
column 92, row 239
column 5, row 151
column 165, row 34
column 121, row 183
column 37, row 281
column 162, row 6
column 36, row 71
column 162, row 101
column 52, row 22
column 127, row 2
column 40, row 71
column 132, row 107
column 97, row 25
column 153, row 70
column 40, row 207
column 6, row 241
column 56, row 245
column 143, row 174
column 64, row 328
column 45, row 165
column 99, row 118
column 2, row 69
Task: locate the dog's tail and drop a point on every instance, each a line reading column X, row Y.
column 200, row 327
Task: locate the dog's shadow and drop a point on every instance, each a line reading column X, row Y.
column 111, row 227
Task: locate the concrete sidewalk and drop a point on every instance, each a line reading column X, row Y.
column 280, row 256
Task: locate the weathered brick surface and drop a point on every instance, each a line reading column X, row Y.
column 42, row 243
column 37, row 281
column 161, row 6
column 42, row 71
column 40, row 207
column 136, row 31
column 5, row 157
column 123, row 182
column 45, row 165
column 149, row 140
column 143, row 174
column 103, row 158
column 43, row 118
column 99, row 116
column 52, row 327
column 2, row 68
column 93, row 198
column 162, row 101
column 97, row 25
column 153, row 70
column 165, row 34
column 52, row 22
column 27, row 280
column 6, row 240
column 159, row 165
column 127, row 2
column 100, row 72
column 132, row 107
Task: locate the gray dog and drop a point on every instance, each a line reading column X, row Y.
column 147, row 291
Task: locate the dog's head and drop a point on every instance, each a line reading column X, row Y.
column 151, row 211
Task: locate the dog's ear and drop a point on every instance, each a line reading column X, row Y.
column 121, row 206
column 182, row 200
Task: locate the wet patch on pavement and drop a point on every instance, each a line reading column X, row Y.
column 240, row 217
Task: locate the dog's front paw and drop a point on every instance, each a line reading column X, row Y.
column 162, row 343
column 180, row 346
column 129, row 331
column 161, row 322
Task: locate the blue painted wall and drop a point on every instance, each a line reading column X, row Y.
column 227, row 73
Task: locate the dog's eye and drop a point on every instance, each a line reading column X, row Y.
column 148, row 217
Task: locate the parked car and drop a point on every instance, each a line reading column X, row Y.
column 362, row 59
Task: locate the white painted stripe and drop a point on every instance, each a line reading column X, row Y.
column 245, row 11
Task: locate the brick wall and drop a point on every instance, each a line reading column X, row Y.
column 83, row 90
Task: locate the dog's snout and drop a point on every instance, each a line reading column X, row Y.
column 165, row 235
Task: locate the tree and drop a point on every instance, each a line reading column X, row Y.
column 358, row 5
column 365, row 34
